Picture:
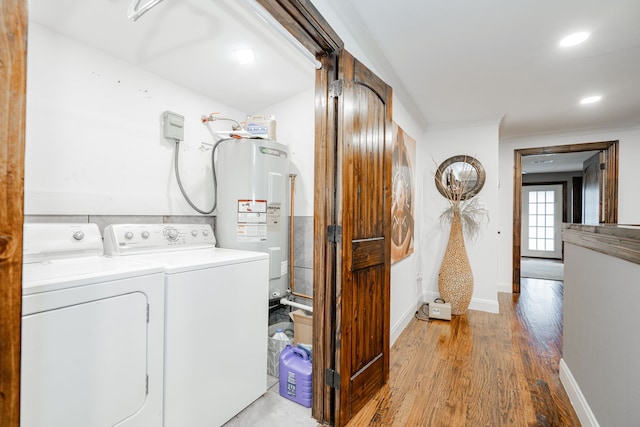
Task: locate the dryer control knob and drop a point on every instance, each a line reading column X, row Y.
column 145, row 234
column 171, row 234
column 128, row 235
column 205, row 232
column 78, row 235
column 194, row 233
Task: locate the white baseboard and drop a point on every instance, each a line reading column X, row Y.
column 580, row 404
column 505, row 287
column 476, row 303
column 397, row 329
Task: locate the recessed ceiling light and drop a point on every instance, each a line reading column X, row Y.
column 590, row 99
column 245, row 56
column 574, row 39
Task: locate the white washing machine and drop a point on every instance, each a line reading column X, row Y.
column 216, row 319
column 92, row 332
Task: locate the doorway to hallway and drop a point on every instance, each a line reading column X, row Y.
column 608, row 182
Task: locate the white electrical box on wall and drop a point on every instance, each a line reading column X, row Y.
column 173, row 126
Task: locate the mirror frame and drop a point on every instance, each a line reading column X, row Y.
column 473, row 162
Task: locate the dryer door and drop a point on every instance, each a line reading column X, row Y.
column 85, row 364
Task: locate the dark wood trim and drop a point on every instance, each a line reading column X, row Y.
column 611, row 155
column 619, row 242
column 576, row 200
column 611, row 190
column 517, row 219
column 324, row 270
column 571, row 148
column 13, row 60
column 306, row 24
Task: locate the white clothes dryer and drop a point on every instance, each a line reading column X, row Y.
column 92, row 332
column 216, row 319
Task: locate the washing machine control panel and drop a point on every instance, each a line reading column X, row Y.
column 120, row 239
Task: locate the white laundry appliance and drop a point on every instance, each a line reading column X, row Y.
column 92, row 332
column 216, row 319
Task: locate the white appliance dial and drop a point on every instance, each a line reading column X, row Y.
column 171, row 234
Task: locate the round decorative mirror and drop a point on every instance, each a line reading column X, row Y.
column 460, row 177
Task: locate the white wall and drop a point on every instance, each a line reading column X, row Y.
column 94, row 142
column 629, row 176
column 600, row 351
column 296, row 129
column 481, row 142
column 406, row 289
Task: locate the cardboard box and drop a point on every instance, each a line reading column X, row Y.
column 302, row 327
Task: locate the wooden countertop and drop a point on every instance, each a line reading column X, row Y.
column 618, row 240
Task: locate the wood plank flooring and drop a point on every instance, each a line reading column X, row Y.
column 480, row 369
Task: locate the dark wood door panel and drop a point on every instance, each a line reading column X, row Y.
column 364, row 338
column 367, row 171
column 367, row 309
column 366, row 383
column 364, row 211
column 367, row 253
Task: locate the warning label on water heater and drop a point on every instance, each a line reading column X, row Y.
column 273, row 218
column 252, row 220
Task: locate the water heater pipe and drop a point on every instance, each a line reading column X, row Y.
column 285, row 301
column 292, row 177
column 292, row 283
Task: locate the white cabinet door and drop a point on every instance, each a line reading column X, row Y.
column 85, row 364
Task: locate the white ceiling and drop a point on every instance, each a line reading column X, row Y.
column 552, row 163
column 189, row 42
column 449, row 62
column 481, row 60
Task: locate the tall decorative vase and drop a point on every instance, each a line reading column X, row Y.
column 455, row 280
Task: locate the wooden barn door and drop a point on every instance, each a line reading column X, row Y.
column 363, row 250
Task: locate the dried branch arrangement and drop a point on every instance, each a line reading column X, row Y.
column 455, row 185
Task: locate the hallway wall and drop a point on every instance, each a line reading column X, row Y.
column 481, row 142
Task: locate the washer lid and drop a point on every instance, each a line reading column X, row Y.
column 197, row 259
column 65, row 273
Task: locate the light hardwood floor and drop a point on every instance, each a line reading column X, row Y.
column 480, row 369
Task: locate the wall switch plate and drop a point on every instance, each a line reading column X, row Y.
column 438, row 310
